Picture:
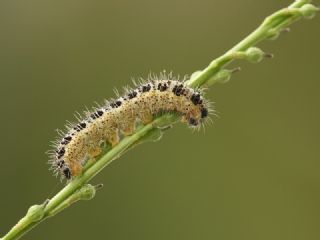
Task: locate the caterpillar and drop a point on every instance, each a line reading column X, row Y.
column 119, row 117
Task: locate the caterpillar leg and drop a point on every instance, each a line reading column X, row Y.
column 76, row 168
column 146, row 118
column 129, row 128
column 94, row 151
column 113, row 138
column 184, row 119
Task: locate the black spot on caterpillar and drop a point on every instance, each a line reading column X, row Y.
column 119, row 118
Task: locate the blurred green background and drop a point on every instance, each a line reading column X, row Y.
column 253, row 174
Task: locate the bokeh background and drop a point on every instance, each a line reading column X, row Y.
column 254, row 174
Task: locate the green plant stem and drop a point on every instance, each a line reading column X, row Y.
column 270, row 27
column 26, row 223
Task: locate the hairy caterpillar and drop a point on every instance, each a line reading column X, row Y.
column 119, row 117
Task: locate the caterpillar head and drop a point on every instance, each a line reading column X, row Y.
column 64, row 168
